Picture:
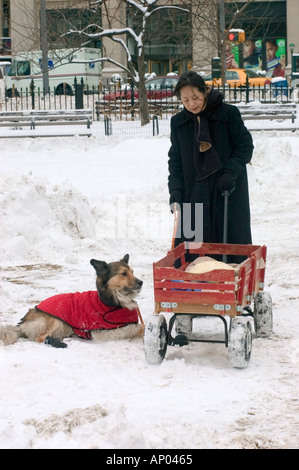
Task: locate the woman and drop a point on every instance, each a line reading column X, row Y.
column 210, row 147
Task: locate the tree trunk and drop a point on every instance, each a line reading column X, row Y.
column 143, row 103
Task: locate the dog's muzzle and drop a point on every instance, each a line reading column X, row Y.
column 135, row 289
column 139, row 285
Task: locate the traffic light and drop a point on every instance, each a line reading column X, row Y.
column 233, row 36
column 241, row 36
column 236, row 35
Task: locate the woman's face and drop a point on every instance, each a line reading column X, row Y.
column 192, row 98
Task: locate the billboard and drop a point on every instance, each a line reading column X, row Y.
column 250, row 54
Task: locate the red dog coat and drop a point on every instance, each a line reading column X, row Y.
column 84, row 312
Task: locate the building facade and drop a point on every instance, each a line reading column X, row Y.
column 174, row 42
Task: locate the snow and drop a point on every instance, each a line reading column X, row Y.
column 66, row 200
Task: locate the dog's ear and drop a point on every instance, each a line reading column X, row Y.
column 125, row 259
column 101, row 267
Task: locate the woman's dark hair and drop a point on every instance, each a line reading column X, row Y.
column 190, row 78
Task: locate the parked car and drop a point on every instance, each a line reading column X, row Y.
column 237, row 77
column 157, row 89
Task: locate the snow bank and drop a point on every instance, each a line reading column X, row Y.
column 65, row 201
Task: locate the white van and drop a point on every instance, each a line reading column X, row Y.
column 4, row 68
column 64, row 67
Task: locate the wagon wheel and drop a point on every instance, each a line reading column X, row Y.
column 262, row 314
column 155, row 339
column 240, row 342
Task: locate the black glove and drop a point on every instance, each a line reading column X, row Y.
column 226, row 182
column 175, row 197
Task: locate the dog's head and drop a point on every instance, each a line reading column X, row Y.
column 116, row 284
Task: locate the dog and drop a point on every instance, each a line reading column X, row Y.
column 110, row 312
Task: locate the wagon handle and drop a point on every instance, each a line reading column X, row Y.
column 140, row 316
column 225, row 221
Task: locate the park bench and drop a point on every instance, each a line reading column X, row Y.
column 46, row 123
column 276, row 116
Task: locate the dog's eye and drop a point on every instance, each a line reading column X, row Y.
column 124, row 274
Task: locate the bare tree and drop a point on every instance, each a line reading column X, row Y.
column 145, row 9
column 61, row 16
column 210, row 37
column 78, row 23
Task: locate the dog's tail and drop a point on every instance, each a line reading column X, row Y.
column 9, row 334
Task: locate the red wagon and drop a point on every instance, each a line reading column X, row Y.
column 223, row 293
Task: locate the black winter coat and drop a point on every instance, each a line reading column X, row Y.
column 233, row 144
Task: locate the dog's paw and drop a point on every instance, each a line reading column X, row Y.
column 55, row 342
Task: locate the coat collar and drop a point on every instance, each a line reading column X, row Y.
column 217, row 114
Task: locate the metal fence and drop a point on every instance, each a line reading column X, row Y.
column 36, row 99
column 123, row 105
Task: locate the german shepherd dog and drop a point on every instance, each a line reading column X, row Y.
column 117, row 288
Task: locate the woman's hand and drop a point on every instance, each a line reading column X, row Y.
column 226, row 182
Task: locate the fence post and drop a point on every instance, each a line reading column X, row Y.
column 155, row 124
column 32, row 86
column 247, row 89
column 78, row 94
column 97, row 107
column 107, row 125
column 235, row 93
column 132, row 101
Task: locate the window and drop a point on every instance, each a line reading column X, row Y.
column 260, row 19
column 170, row 82
column 12, row 70
column 208, row 77
column 168, row 34
column 19, row 68
column 63, row 20
column 154, row 84
column 231, row 75
column 251, row 73
column 23, row 68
